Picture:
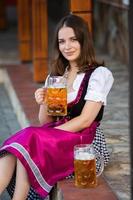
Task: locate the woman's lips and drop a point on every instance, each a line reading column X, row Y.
column 69, row 53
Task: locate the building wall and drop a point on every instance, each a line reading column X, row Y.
column 111, row 30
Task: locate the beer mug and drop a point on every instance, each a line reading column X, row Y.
column 85, row 166
column 56, row 96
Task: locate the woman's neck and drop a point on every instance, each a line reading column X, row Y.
column 73, row 68
column 71, row 75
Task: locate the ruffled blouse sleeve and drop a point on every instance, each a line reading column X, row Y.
column 99, row 85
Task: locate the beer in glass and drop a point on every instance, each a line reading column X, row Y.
column 56, row 96
column 85, row 166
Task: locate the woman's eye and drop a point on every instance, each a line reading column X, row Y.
column 61, row 41
column 74, row 39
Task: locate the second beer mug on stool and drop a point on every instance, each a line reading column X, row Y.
column 85, row 166
column 56, row 96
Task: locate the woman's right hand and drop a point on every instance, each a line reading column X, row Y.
column 40, row 95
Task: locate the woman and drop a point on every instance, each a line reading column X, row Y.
column 37, row 157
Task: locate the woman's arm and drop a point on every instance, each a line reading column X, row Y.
column 99, row 86
column 43, row 116
column 85, row 119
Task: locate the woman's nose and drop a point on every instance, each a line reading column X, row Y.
column 67, row 45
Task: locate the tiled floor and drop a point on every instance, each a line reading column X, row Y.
column 24, row 86
column 8, row 119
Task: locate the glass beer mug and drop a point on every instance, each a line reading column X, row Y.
column 56, row 96
column 85, row 166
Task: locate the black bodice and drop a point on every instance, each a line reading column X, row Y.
column 76, row 107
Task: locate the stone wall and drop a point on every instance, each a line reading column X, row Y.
column 111, row 30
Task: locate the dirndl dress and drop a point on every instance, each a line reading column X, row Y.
column 99, row 144
column 47, row 152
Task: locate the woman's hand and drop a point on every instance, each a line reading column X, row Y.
column 40, row 95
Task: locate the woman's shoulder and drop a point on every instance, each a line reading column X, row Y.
column 103, row 72
column 102, row 69
column 100, row 83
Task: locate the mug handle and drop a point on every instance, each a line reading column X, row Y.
column 99, row 158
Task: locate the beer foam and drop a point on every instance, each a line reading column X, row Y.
column 57, row 85
column 84, row 156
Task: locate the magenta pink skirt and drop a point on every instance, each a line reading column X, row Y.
column 47, row 153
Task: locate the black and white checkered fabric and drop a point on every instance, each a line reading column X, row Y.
column 100, row 147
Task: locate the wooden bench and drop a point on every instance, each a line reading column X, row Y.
column 66, row 190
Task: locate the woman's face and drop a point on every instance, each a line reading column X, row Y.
column 69, row 46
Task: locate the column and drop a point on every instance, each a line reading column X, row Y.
column 24, row 30
column 40, row 39
column 82, row 8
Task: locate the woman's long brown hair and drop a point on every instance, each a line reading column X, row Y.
column 87, row 57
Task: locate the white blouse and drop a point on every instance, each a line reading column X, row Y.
column 99, row 85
